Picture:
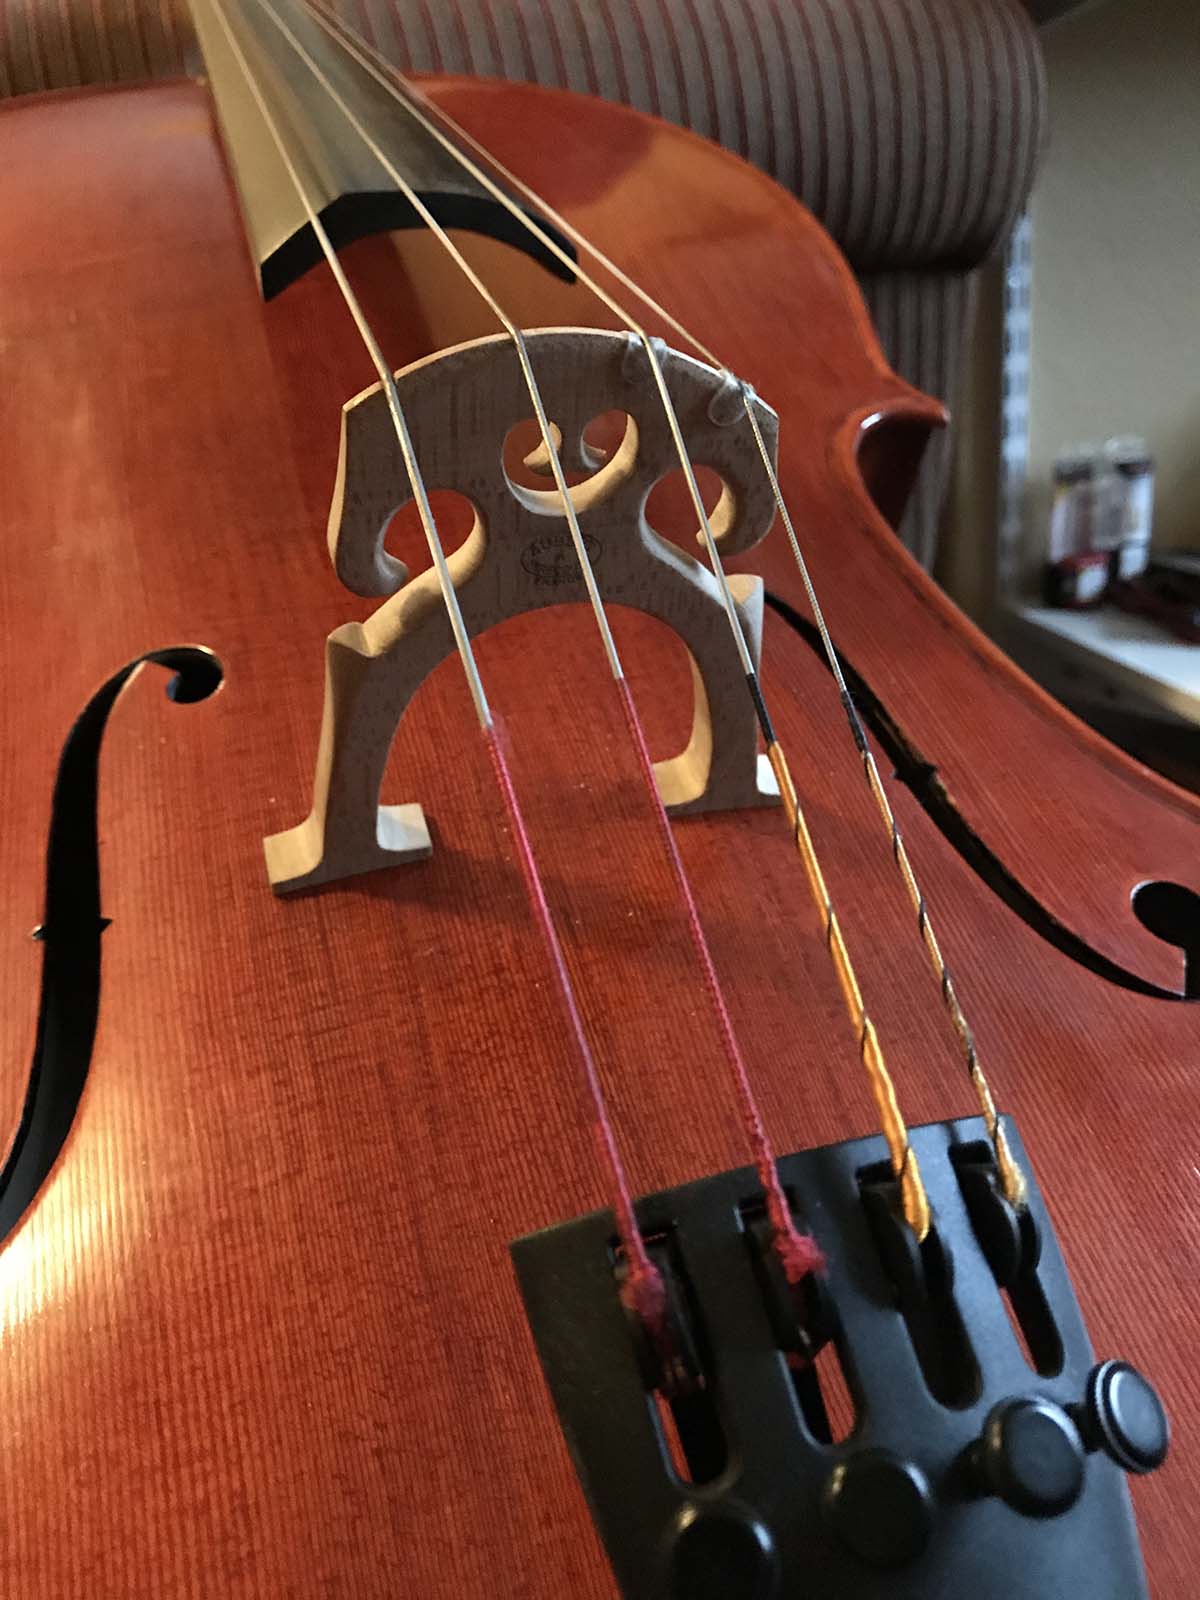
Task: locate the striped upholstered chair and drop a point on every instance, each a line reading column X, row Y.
column 910, row 127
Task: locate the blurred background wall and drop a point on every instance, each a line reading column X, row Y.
column 1115, row 294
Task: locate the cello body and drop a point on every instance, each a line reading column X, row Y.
column 261, row 1331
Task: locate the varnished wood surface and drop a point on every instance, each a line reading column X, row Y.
column 261, row 1335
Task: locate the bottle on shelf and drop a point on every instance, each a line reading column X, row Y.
column 1077, row 571
column 1131, row 505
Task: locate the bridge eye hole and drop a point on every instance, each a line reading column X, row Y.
column 671, row 513
column 604, row 436
column 454, row 516
column 594, row 461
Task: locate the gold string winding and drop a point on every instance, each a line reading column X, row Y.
column 895, row 1131
column 1012, row 1178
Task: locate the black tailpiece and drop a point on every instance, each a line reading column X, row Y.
column 986, row 1452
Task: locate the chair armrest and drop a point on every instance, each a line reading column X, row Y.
column 910, row 127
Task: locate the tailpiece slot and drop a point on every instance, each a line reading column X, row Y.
column 677, row 1371
column 922, row 1277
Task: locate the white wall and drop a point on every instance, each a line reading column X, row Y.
column 1116, row 249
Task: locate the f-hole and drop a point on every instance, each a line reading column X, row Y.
column 1172, row 913
column 919, row 774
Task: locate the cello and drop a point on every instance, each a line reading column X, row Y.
column 515, row 1219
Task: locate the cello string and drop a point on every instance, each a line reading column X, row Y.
column 901, row 1154
column 798, row 1253
column 643, row 1289
column 1012, row 1177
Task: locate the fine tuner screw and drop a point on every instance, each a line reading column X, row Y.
column 1031, row 1456
column 1123, row 1415
column 1033, row 1453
